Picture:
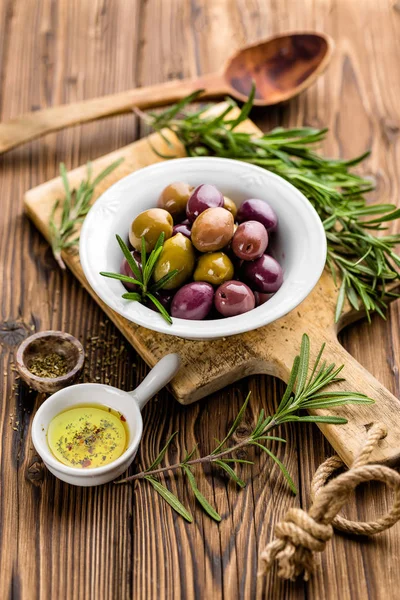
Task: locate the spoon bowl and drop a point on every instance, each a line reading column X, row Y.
column 280, row 67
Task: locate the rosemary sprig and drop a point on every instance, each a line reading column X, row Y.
column 143, row 277
column 75, row 207
column 365, row 263
column 304, row 391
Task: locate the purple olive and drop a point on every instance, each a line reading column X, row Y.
column 234, row 298
column 204, row 196
column 261, row 298
column 250, row 240
column 258, row 210
column 164, row 297
column 264, row 274
column 126, row 270
column 182, row 228
column 193, row 301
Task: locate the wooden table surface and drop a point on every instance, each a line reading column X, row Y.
column 58, row 541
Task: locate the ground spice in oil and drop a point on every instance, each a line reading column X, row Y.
column 51, row 365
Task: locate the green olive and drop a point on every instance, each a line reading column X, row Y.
column 149, row 224
column 177, row 253
column 230, row 205
column 214, row 268
column 174, row 198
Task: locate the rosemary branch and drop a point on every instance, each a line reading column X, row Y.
column 75, row 206
column 142, row 275
column 366, row 264
column 304, row 391
column 196, row 461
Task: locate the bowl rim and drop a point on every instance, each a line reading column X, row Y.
column 207, row 329
column 47, row 456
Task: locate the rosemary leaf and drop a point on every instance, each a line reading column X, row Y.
column 121, row 277
column 235, row 425
column 241, row 461
column 162, row 453
column 143, row 255
column 280, row 465
column 260, row 421
column 125, row 250
column 161, row 282
column 189, row 455
column 150, row 265
column 289, row 388
column 170, row 498
column 132, row 296
column 199, row 496
column 322, row 419
column 231, row 473
column 303, row 364
column 160, row 308
column 340, row 300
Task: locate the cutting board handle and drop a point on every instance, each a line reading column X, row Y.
column 275, row 356
column 360, row 417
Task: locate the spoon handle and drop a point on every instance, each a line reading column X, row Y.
column 32, row 125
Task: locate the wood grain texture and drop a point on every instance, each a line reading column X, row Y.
column 306, row 56
column 123, row 542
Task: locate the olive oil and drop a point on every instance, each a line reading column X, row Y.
column 87, row 436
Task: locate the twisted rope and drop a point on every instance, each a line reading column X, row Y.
column 301, row 534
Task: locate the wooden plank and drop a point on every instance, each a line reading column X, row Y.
column 106, row 543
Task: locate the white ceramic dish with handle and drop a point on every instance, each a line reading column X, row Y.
column 129, row 404
column 299, row 245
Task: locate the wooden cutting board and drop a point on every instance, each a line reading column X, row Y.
column 209, row 366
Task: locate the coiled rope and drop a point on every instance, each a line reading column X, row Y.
column 302, row 533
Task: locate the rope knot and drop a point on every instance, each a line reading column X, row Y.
column 299, row 528
column 301, row 534
column 297, row 537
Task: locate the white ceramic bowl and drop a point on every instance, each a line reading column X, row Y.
column 299, row 245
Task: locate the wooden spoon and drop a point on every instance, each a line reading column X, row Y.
column 282, row 67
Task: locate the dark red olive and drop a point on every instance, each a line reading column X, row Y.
column 261, row 298
column 183, row 228
column 233, row 298
column 204, row 196
column 264, row 274
column 258, row 210
column 193, row 301
column 164, row 297
column 250, row 240
column 126, row 270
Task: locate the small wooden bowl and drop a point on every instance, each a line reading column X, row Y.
column 42, row 344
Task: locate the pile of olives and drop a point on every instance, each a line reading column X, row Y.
column 218, row 251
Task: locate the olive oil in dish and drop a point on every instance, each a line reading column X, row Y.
column 88, row 436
